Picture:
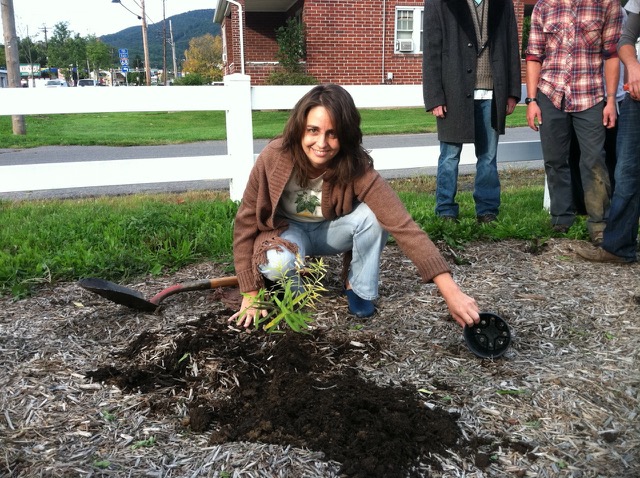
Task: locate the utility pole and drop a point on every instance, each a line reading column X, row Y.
column 29, row 53
column 13, row 57
column 173, row 51
column 145, row 45
column 164, row 44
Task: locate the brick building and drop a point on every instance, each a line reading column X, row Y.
column 361, row 42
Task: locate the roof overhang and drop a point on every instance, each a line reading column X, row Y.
column 222, row 7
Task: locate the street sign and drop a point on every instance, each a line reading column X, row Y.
column 124, row 61
column 123, row 53
column 124, row 69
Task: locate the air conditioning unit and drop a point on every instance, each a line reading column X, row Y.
column 405, row 45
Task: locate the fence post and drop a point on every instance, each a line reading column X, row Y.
column 239, row 131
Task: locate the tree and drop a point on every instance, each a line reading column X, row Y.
column 12, row 59
column 204, row 57
column 291, row 45
column 31, row 52
column 291, row 53
column 60, row 50
column 98, row 55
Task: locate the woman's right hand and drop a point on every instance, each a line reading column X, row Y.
column 247, row 313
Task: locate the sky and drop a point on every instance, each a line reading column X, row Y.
column 93, row 17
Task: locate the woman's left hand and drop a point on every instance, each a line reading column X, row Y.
column 463, row 309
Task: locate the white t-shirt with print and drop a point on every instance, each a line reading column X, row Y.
column 302, row 204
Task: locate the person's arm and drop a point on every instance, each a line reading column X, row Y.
column 432, row 87
column 535, row 55
column 463, row 308
column 611, row 78
column 244, row 234
column 628, row 56
column 511, row 104
column 534, row 115
column 392, row 215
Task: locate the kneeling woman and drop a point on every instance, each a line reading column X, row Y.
column 313, row 192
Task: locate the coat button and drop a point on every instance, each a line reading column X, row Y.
column 468, row 95
column 470, row 45
column 469, row 70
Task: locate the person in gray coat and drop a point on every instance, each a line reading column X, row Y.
column 471, row 81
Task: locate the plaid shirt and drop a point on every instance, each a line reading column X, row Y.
column 572, row 38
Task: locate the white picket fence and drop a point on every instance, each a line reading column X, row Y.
column 236, row 97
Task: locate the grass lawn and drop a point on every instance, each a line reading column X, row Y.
column 129, row 129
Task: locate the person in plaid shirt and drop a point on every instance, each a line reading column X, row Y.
column 568, row 43
column 620, row 242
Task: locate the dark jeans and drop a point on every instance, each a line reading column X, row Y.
column 621, row 233
column 555, row 138
column 609, row 159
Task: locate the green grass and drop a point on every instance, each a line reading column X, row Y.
column 128, row 129
column 120, row 238
column 112, row 237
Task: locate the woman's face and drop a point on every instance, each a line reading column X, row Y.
column 320, row 142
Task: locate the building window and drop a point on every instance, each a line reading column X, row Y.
column 409, row 30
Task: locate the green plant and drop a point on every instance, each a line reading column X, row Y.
column 283, row 77
column 149, row 442
column 511, row 392
column 291, row 45
column 291, row 298
column 291, row 55
column 192, row 79
column 102, row 464
column 108, row 416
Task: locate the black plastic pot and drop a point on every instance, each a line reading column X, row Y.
column 490, row 338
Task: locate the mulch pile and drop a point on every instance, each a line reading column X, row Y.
column 91, row 388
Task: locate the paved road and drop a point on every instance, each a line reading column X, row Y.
column 48, row 154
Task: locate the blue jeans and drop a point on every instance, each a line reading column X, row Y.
column 621, row 234
column 486, row 190
column 359, row 232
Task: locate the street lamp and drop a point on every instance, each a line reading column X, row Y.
column 145, row 43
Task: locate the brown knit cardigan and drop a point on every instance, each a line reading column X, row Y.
column 257, row 226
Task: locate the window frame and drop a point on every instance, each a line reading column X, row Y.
column 417, row 30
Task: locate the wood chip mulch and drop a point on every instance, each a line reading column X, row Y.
column 562, row 402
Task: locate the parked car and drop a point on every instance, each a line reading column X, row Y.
column 56, row 84
column 87, row 82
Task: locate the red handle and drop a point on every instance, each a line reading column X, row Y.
column 205, row 284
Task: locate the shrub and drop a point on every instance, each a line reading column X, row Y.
column 282, row 77
column 192, row 79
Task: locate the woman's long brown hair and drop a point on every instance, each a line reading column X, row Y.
column 352, row 160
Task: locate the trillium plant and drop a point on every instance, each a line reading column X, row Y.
column 292, row 298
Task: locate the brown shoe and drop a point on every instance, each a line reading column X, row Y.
column 561, row 228
column 598, row 254
column 486, row 218
column 596, row 238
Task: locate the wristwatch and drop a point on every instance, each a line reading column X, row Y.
column 529, row 100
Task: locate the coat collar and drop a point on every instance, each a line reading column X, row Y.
column 460, row 11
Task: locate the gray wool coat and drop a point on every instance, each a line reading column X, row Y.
column 451, row 50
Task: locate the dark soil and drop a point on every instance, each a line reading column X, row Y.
column 292, row 389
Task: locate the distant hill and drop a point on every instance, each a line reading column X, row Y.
column 185, row 27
